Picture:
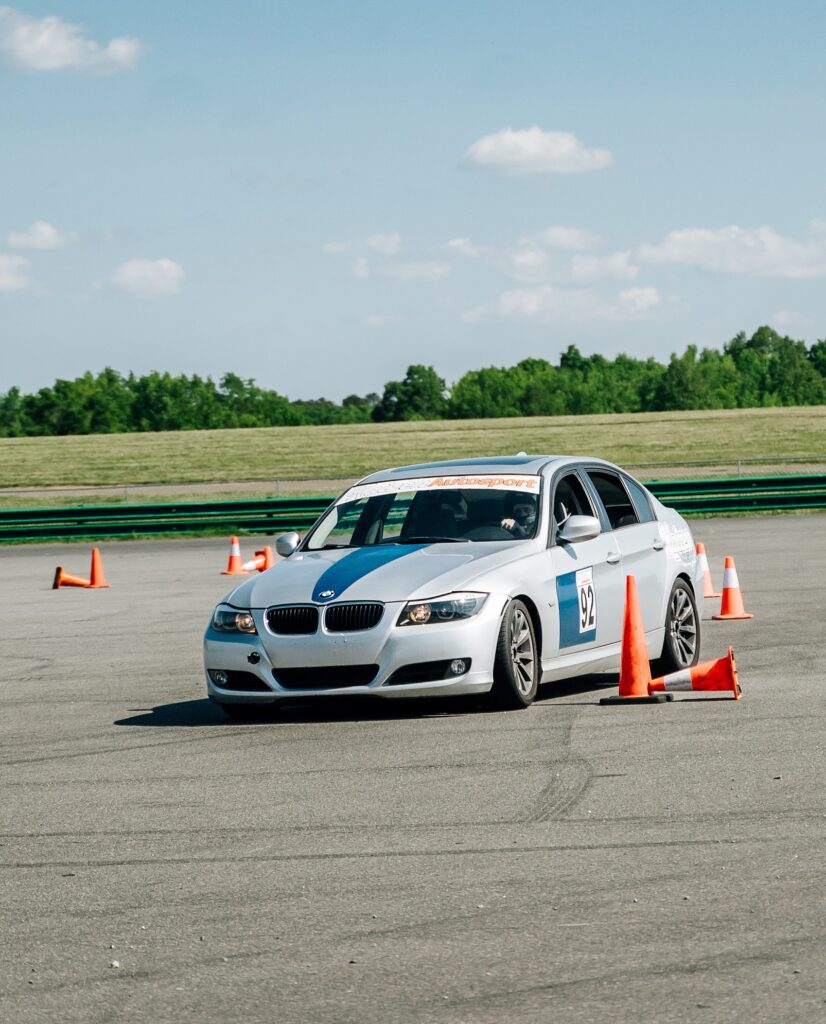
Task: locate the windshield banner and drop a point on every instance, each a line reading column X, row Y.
column 519, row 482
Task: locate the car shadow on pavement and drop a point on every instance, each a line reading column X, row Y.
column 203, row 712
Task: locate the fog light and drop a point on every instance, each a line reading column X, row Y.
column 458, row 667
column 218, row 676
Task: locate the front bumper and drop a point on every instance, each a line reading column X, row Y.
column 323, row 655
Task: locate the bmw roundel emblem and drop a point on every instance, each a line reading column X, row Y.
column 327, row 593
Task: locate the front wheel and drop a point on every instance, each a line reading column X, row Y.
column 681, row 647
column 516, row 665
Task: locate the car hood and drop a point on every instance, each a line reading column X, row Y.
column 393, row 572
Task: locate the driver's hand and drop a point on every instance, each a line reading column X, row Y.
column 508, row 524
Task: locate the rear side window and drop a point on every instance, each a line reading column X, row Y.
column 614, row 498
column 640, row 499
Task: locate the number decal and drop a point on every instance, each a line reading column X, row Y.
column 587, row 600
column 577, row 597
column 587, row 609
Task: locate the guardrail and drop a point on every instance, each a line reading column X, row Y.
column 276, row 515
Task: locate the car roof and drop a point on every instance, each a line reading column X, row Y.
column 497, row 464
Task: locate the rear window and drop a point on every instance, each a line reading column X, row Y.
column 614, row 498
column 640, row 499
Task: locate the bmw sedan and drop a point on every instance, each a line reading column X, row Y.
column 480, row 576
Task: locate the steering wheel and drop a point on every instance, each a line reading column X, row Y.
column 489, row 533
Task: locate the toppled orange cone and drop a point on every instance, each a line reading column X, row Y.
column 96, row 581
column 635, row 670
column 234, row 566
column 715, row 676
column 64, row 579
column 731, row 607
column 268, row 558
column 708, row 586
column 263, row 560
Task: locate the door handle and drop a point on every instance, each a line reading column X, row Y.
column 658, row 544
column 613, row 558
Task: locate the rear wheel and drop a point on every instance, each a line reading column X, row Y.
column 516, row 665
column 681, row 648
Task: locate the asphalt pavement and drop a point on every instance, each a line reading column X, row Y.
column 405, row 862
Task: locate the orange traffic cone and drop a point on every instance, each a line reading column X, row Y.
column 234, row 566
column 710, row 675
column 263, row 560
column 98, row 578
column 635, row 671
column 731, row 607
column 708, row 586
column 63, row 579
column 269, row 558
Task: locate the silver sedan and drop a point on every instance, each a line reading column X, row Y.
column 481, row 576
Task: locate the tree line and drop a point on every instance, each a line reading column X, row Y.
column 766, row 369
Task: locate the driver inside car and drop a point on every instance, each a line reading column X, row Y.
column 522, row 518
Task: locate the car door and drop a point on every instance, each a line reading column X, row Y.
column 637, row 537
column 588, row 577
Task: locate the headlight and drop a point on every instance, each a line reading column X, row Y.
column 230, row 620
column 450, row 608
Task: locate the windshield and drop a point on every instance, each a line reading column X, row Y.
column 431, row 510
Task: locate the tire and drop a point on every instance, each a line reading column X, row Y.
column 516, row 665
column 681, row 647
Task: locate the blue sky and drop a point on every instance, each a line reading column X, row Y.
column 317, row 195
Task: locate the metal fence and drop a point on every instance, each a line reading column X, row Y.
column 276, row 515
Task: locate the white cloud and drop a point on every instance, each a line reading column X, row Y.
column 789, row 319
column 40, row 235
column 384, row 244
column 387, row 245
column 52, row 44
column 551, row 303
column 639, row 300
column 617, row 265
column 378, row 320
column 149, row 277
column 12, row 273
column 759, row 252
column 534, row 151
column 527, row 262
column 466, row 247
column 571, row 239
column 360, row 268
column 424, row 271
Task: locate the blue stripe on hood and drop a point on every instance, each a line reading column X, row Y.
column 357, row 564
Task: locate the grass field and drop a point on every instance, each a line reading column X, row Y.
column 317, row 456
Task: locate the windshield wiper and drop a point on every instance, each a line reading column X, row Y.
column 432, row 540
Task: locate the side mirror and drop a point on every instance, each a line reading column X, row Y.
column 287, row 543
column 579, row 528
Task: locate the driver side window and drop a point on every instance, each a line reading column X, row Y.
column 570, row 499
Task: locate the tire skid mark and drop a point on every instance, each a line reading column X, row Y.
column 562, row 792
column 226, row 732
column 567, row 784
column 126, row 974
column 723, row 961
column 381, row 854
column 283, row 773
